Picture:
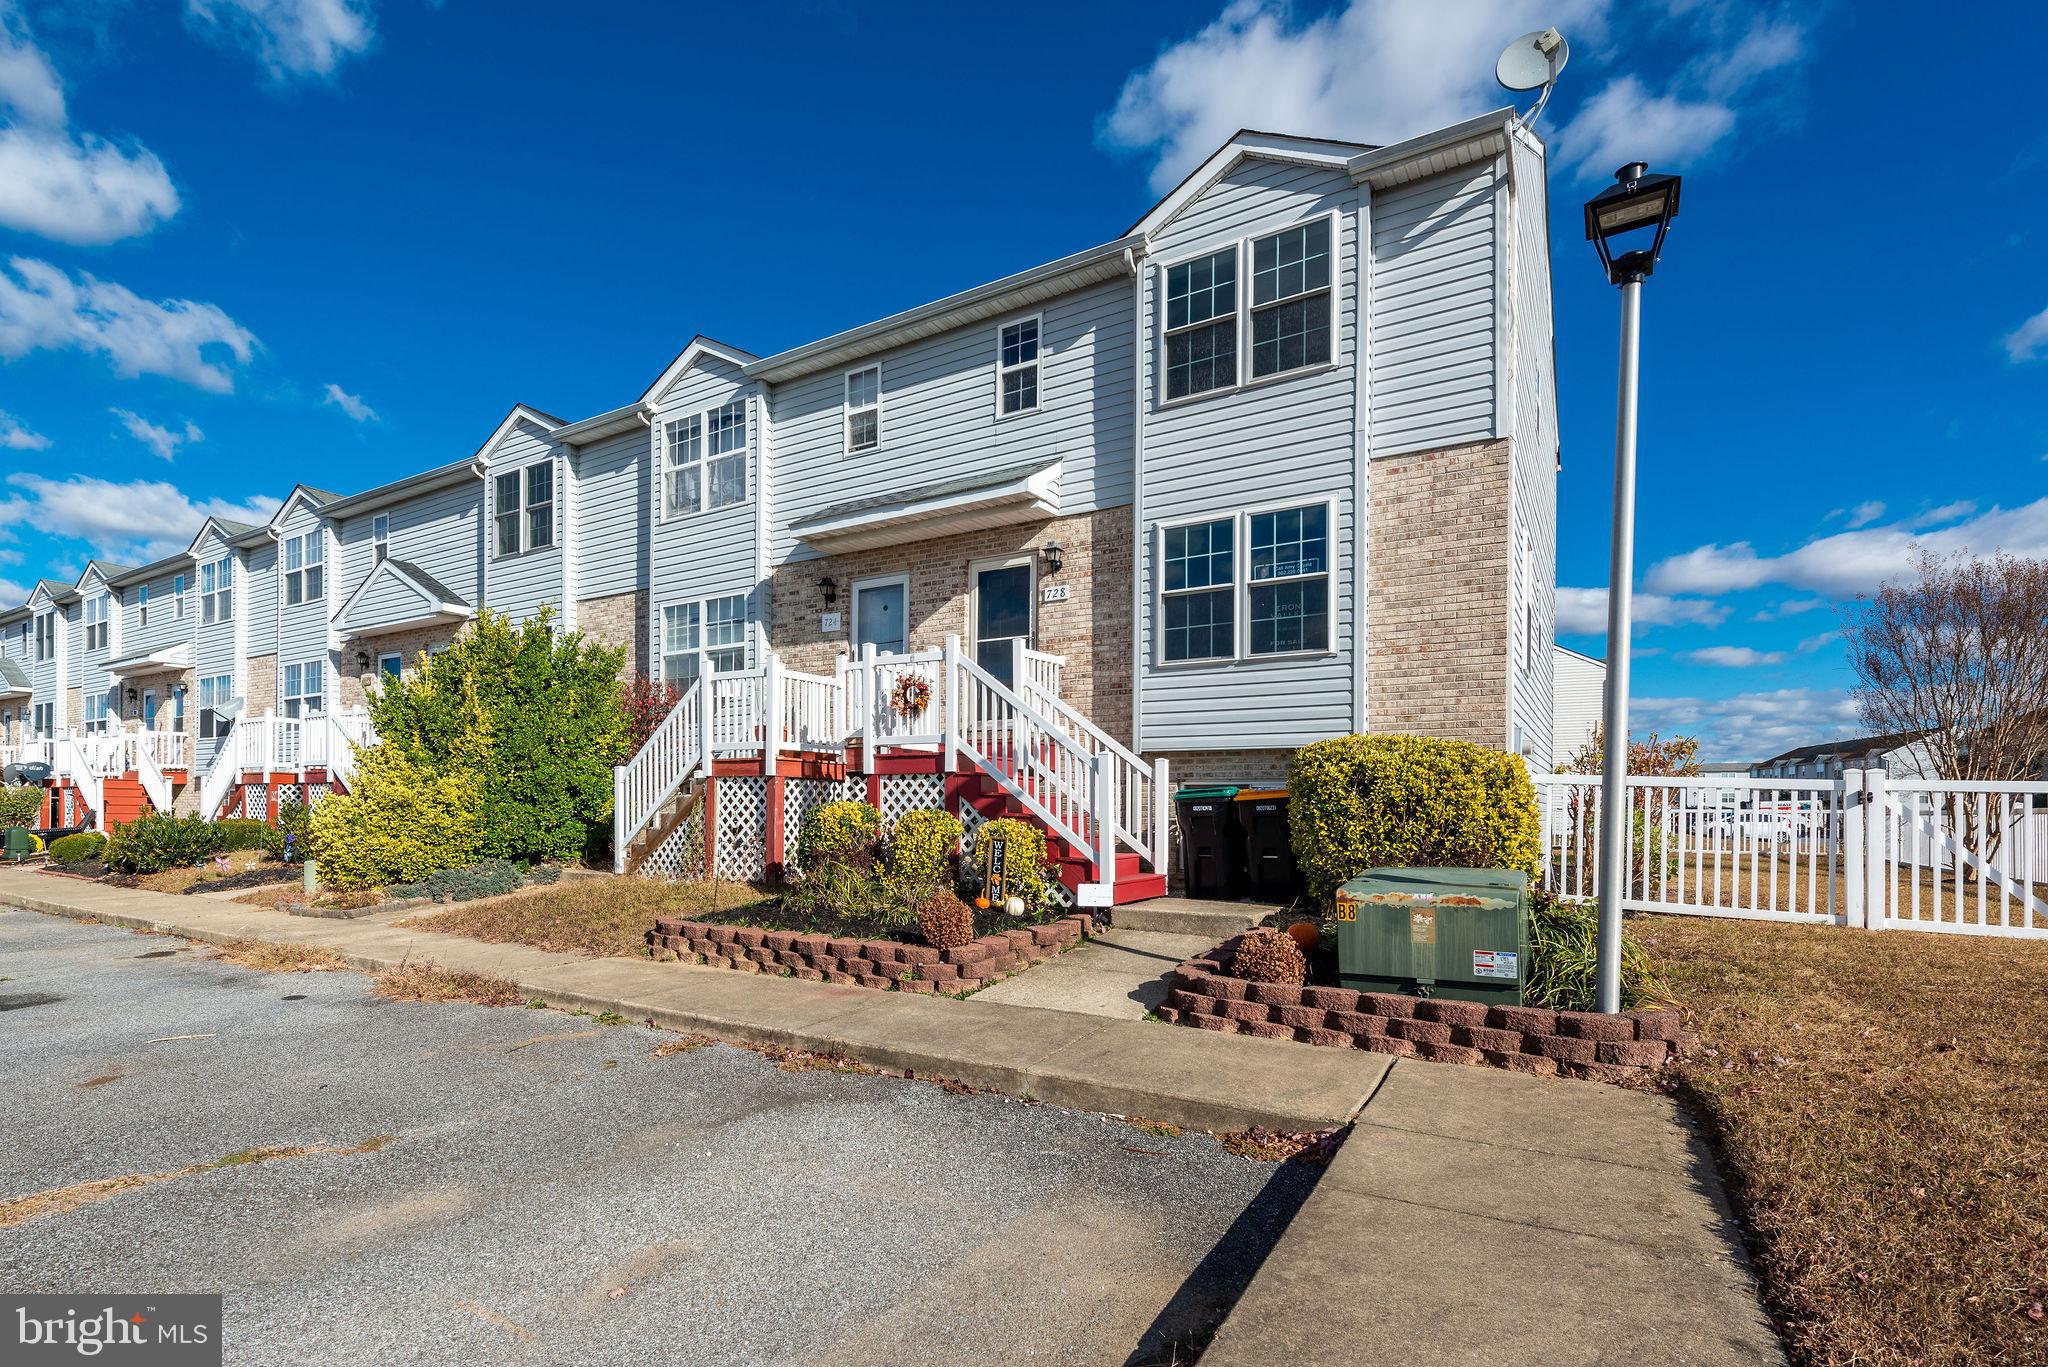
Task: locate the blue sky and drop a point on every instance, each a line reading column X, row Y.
column 244, row 242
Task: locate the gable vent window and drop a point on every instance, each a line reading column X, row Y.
column 535, row 530
column 684, row 438
column 305, row 570
column 1201, row 324
column 864, row 409
column 1291, row 299
column 728, row 441
column 1017, row 367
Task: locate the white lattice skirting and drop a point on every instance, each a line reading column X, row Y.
column 741, row 849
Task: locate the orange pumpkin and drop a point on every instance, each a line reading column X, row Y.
column 981, row 902
column 1304, row 934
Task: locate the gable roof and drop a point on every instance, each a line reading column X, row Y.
column 106, row 570
column 314, row 498
column 437, row 602
column 1244, row 145
column 699, row 347
column 227, row 529
column 1856, row 746
column 52, row 591
column 143, row 574
column 426, row 481
column 519, row 411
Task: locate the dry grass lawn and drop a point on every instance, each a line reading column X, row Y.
column 177, row 880
column 600, row 917
column 415, row 981
column 1880, row 1106
column 280, row 958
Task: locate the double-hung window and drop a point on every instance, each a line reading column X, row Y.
column 1291, row 299
column 44, row 724
column 178, row 597
column 96, row 622
column 1017, row 367
column 217, row 590
column 725, row 633
column 524, row 508
column 728, row 443
column 215, row 691
column 1201, row 324
column 703, row 637
column 1289, row 601
column 304, row 691
column 1200, row 591
column 681, row 641
column 380, row 539
column 142, row 606
column 96, row 712
column 305, row 568
column 864, row 409
column 46, row 635
column 684, row 440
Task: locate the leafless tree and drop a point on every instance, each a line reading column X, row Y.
column 1959, row 654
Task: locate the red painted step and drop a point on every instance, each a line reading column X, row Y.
column 121, row 801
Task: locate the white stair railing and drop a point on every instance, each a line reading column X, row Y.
column 72, row 763
column 350, row 731
column 220, row 777
column 1139, row 791
column 675, row 751
column 155, row 785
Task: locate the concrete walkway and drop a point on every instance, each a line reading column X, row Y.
column 1120, row 973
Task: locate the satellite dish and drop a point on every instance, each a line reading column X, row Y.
column 1533, row 62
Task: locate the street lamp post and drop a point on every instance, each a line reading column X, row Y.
column 1636, row 200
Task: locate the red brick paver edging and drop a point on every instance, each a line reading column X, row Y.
column 1522, row 1039
column 879, row 964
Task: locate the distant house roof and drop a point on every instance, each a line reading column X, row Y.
column 1860, row 745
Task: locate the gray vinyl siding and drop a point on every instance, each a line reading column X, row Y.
column 1434, row 311
column 388, row 600
column 611, row 515
column 519, row 585
column 300, row 633
column 709, row 554
column 164, row 628
column 439, row 532
column 1283, row 442
column 213, row 644
column 44, row 675
column 939, row 415
column 1533, row 452
column 89, row 667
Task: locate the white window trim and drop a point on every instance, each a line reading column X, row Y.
column 383, row 674
column 875, row 581
column 847, row 410
column 179, row 583
column 1245, row 380
column 319, row 697
column 306, row 542
column 223, row 589
column 1241, row 570
column 705, row 458
column 1029, row 560
column 664, row 470
column 380, row 539
column 142, row 606
column 1036, row 363
column 526, row 509
column 703, row 650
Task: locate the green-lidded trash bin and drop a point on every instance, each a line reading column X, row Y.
column 1211, row 842
column 1461, row 933
column 20, row 843
column 1268, row 845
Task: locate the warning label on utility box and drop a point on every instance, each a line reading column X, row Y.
column 1494, row 963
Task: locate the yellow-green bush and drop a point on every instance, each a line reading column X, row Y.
column 836, row 828
column 1363, row 802
column 1024, row 860
column 921, row 848
column 397, row 823
column 22, row 806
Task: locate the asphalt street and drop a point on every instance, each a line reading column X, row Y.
column 517, row 1185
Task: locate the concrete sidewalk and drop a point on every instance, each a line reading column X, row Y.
column 1093, row 1063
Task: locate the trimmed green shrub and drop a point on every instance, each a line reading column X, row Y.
column 400, row 823
column 21, row 806
column 922, row 847
column 1564, row 958
column 152, row 843
column 77, row 848
column 1024, row 861
column 491, row 878
column 292, row 836
column 834, row 829
column 1363, row 802
column 242, row 833
column 538, row 717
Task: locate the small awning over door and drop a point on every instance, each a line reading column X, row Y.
column 989, row 498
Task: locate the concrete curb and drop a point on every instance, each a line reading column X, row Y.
column 1201, row 1080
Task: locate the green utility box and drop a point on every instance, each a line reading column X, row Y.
column 1461, row 933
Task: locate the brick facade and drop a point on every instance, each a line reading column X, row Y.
column 1437, row 594
column 1092, row 628
column 355, row 681
column 260, row 686
column 618, row 620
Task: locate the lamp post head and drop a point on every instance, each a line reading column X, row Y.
column 1638, row 199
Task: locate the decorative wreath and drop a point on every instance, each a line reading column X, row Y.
column 911, row 695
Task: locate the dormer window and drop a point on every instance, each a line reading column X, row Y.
column 217, row 591
column 1017, row 367
column 305, row 568
column 524, row 508
column 864, row 409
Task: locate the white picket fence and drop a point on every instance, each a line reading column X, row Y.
column 1864, row 850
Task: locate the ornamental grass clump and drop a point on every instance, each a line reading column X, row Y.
column 945, row 921
column 1564, row 959
column 1267, row 956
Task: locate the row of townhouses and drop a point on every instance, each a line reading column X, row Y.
column 1274, row 464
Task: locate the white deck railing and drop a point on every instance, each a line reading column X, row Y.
column 662, row 765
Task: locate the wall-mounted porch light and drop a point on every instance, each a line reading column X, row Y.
column 363, row 661
column 828, row 589
column 1053, row 557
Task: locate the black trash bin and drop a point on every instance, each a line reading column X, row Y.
column 1211, row 842
column 1269, row 848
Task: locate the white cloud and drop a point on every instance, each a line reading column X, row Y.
column 13, row 594
column 351, row 404
column 165, row 441
column 1734, row 657
column 58, row 183
column 136, row 521
column 14, row 436
column 1791, row 607
column 1819, row 642
column 1750, row 726
column 1374, row 71
column 292, row 38
column 1947, row 512
column 1582, row 612
column 44, row 308
column 1626, row 122
column 2028, row 341
column 1852, row 562
column 1863, row 514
